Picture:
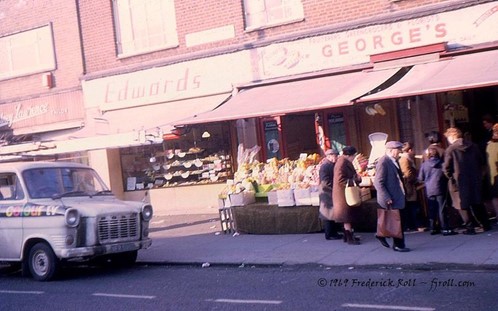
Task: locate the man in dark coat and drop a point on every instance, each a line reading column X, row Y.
column 464, row 167
column 390, row 190
column 326, row 175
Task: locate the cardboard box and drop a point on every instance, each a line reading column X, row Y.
column 315, row 200
column 365, row 194
column 242, row 198
column 302, row 196
column 285, row 197
column 272, row 197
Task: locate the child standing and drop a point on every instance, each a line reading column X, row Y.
column 431, row 173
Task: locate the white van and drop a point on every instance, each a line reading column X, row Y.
column 52, row 212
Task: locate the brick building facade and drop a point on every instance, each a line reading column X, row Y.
column 111, row 92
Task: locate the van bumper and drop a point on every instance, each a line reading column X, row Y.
column 100, row 250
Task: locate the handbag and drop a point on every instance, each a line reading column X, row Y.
column 352, row 193
column 389, row 223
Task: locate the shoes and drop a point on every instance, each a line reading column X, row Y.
column 434, row 232
column 334, row 237
column 449, row 232
column 345, row 240
column 383, row 241
column 401, row 249
column 350, row 238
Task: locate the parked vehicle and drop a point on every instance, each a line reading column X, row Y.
column 54, row 212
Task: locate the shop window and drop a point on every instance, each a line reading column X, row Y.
column 268, row 13
column 144, row 26
column 27, row 52
column 200, row 155
column 336, row 131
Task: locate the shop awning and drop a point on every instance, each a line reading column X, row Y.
column 295, row 96
column 162, row 115
column 457, row 73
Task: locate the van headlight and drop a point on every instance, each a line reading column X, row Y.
column 147, row 212
column 72, row 217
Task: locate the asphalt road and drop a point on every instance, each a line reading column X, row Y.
column 251, row 288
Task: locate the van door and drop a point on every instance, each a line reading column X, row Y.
column 12, row 201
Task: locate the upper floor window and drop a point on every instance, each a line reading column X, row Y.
column 267, row 13
column 27, row 52
column 145, row 26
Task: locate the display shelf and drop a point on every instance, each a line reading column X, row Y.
column 193, row 166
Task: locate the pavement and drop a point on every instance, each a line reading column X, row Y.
column 199, row 240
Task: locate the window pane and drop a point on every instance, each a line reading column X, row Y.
column 26, row 52
column 268, row 12
column 146, row 24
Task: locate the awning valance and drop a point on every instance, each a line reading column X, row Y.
column 295, row 96
column 457, row 73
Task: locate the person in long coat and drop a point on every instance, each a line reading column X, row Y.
column 344, row 173
column 408, row 167
column 492, row 157
column 326, row 175
column 388, row 183
column 464, row 167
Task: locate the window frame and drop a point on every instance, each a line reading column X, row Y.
column 42, row 46
column 296, row 17
column 124, row 27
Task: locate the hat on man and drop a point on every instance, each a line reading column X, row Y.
column 349, row 151
column 394, row 145
column 331, row 152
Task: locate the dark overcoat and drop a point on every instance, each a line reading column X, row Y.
column 388, row 185
column 326, row 175
column 464, row 167
column 343, row 172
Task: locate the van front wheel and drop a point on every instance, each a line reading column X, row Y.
column 42, row 262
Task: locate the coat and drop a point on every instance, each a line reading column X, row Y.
column 388, row 184
column 326, row 175
column 410, row 173
column 492, row 157
column 343, row 172
column 463, row 166
column 431, row 173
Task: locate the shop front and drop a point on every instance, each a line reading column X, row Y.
column 25, row 123
column 355, row 87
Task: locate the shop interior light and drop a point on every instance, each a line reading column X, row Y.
column 206, row 134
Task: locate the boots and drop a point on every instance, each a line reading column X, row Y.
column 350, row 238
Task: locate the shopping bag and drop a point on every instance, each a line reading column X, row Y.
column 389, row 223
column 353, row 194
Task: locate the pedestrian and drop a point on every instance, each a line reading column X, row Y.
column 488, row 121
column 492, row 157
column 434, row 139
column 486, row 137
column 463, row 166
column 431, row 174
column 344, row 174
column 326, row 177
column 388, row 183
column 408, row 167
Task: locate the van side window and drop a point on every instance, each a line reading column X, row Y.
column 10, row 188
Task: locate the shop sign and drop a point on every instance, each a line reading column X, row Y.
column 42, row 110
column 168, row 83
column 464, row 27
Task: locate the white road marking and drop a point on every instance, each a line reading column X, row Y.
column 272, row 302
column 123, row 296
column 386, row 307
column 20, row 292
